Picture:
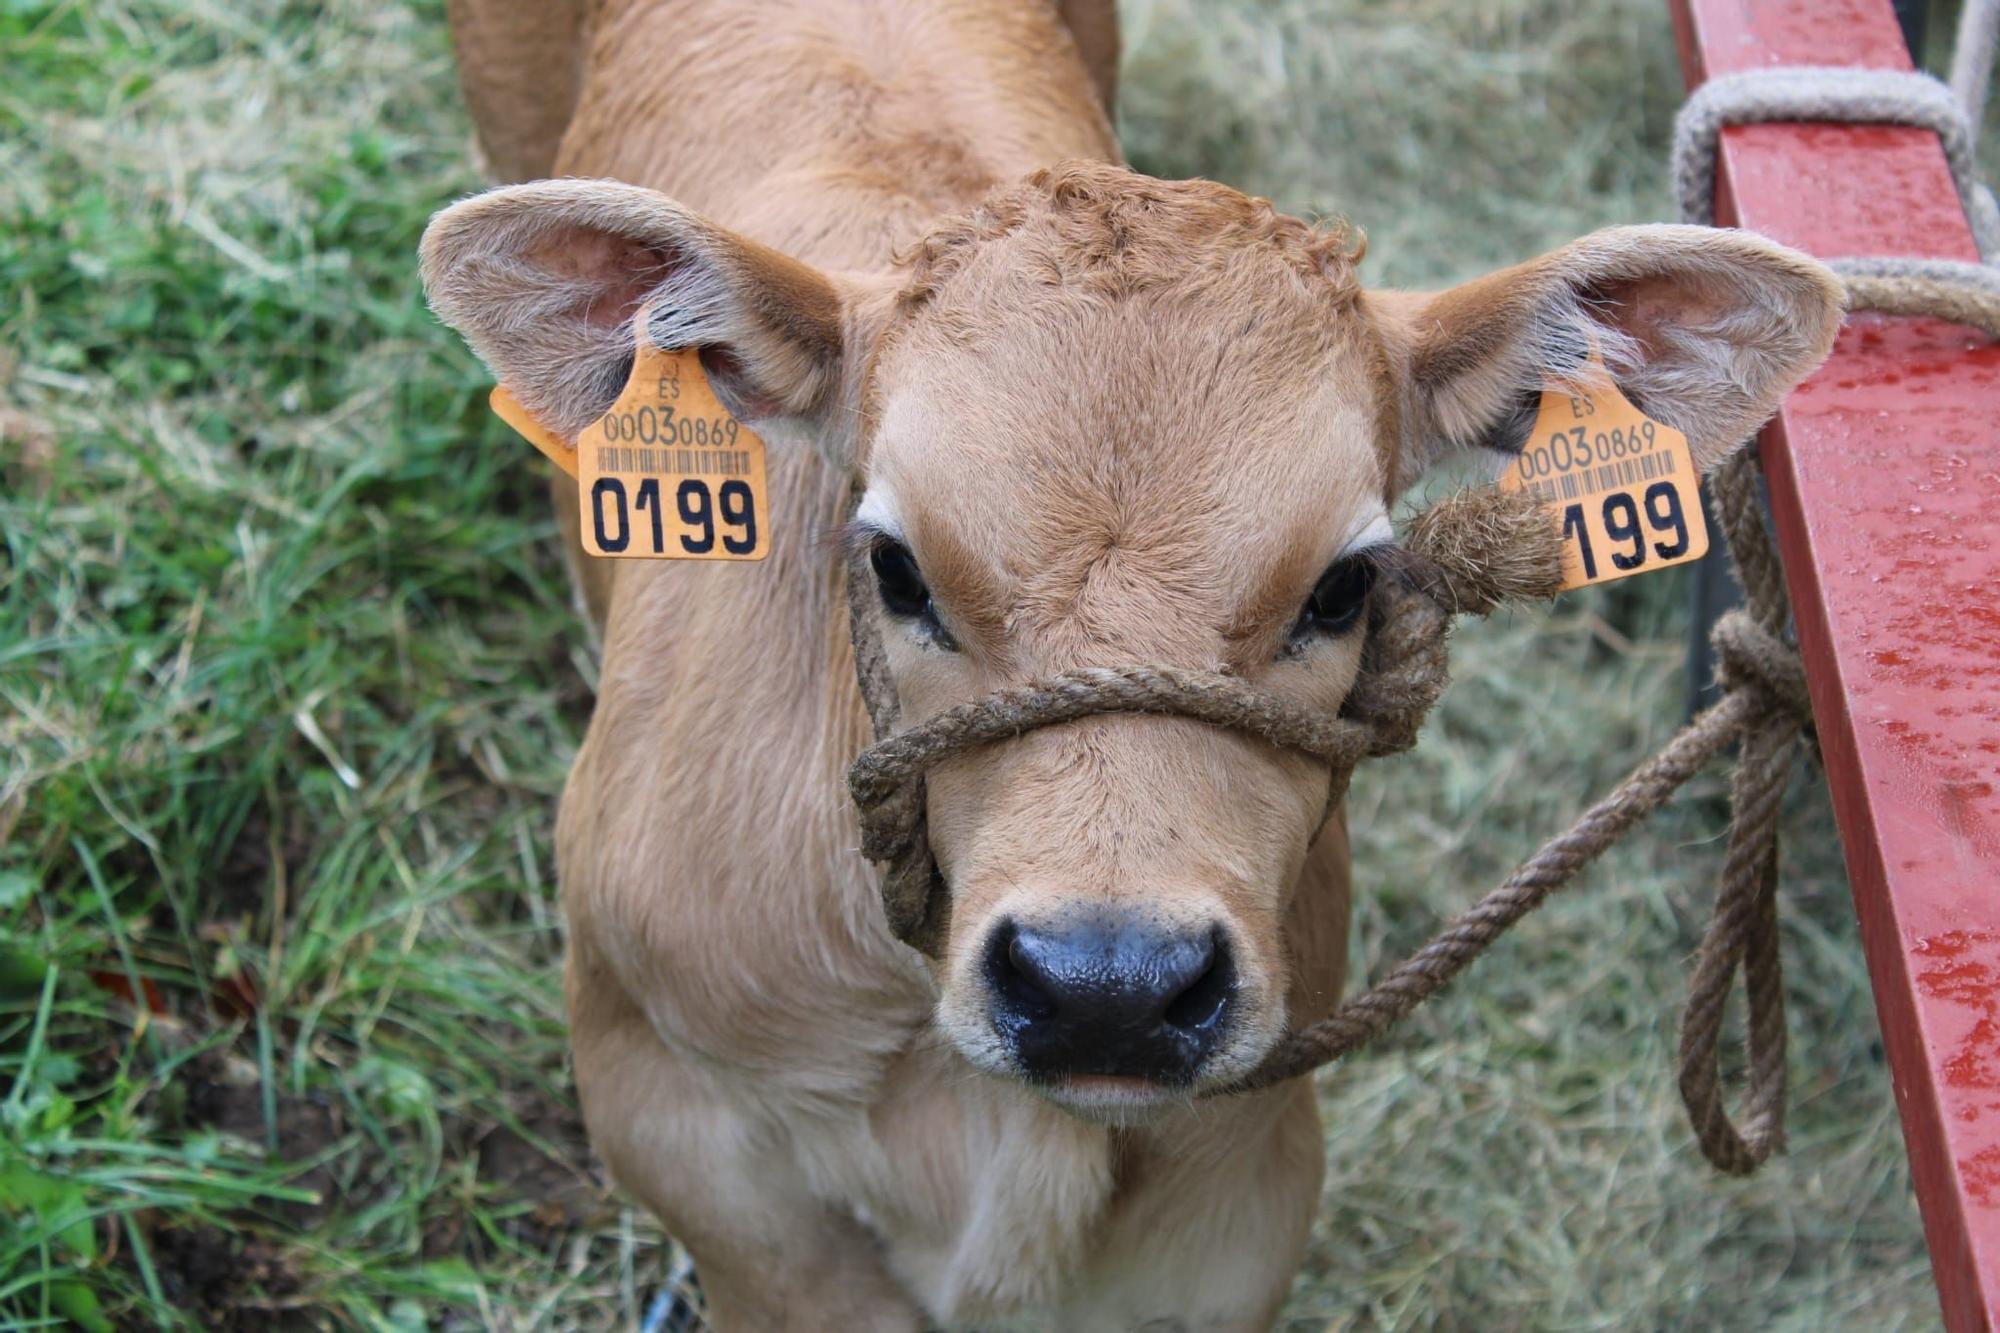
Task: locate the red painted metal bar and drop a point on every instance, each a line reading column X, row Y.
column 1884, row 472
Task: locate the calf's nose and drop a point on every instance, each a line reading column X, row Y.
column 1110, row 996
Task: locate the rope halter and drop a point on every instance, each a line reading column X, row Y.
column 1468, row 553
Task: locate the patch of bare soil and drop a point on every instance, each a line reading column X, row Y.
column 224, row 1095
column 239, row 1273
column 227, row 1280
column 242, row 881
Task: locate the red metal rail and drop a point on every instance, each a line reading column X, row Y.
column 1884, row 472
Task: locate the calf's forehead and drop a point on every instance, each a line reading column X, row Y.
column 1218, row 429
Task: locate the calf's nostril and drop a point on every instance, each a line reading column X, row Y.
column 1200, row 1005
column 1020, row 985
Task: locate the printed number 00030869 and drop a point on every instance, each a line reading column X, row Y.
column 646, row 425
column 1574, row 447
column 612, row 515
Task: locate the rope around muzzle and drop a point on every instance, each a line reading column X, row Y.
column 887, row 781
column 1404, row 672
column 1469, row 553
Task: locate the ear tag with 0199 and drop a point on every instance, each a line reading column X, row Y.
column 1623, row 486
column 667, row 473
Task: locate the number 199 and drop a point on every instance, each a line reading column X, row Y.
column 1620, row 515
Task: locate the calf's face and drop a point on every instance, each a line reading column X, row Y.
column 1105, row 420
column 1118, row 424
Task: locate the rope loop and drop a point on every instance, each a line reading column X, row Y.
column 1824, row 93
column 1742, row 936
column 1756, row 663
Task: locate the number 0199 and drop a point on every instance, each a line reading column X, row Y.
column 701, row 517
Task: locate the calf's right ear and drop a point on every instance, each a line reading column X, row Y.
column 544, row 280
column 1706, row 330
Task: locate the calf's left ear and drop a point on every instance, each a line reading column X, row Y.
column 544, row 280
column 1704, row 329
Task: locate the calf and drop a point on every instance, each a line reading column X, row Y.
column 1091, row 418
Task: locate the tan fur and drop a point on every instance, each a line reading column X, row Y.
column 519, row 65
column 1116, row 420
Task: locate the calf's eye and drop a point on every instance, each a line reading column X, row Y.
column 1337, row 599
column 900, row 582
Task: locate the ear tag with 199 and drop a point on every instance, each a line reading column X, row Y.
column 1624, row 486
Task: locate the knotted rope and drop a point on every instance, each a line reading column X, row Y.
column 1470, row 554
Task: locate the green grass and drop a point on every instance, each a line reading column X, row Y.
column 289, row 680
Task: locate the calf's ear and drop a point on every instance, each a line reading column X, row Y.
column 544, row 280
column 1704, row 329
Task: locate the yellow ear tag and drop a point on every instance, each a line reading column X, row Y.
column 1623, row 485
column 508, row 408
column 667, row 473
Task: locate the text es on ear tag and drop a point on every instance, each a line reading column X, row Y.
column 1624, row 486
column 668, row 473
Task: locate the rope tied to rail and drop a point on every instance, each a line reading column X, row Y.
column 1468, row 555
column 1754, row 654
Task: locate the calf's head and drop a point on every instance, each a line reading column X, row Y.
column 1102, row 420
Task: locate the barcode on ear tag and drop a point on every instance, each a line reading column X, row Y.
column 1623, row 486
column 668, row 473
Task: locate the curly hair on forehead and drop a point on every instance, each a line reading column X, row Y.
column 1105, row 227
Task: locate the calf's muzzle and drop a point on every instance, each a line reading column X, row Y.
column 1110, row 995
